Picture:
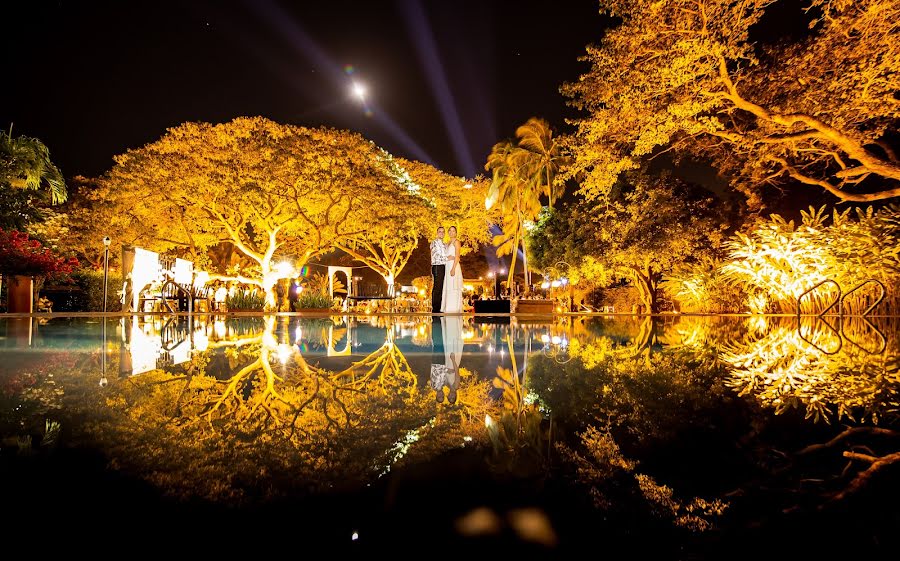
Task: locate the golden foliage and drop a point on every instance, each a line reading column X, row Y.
column 521, row 173
column 643, row 229
column 686, row 75
column 267, row 191
column 831, row 373
column 779, row 260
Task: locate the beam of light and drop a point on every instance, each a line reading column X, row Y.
column 420, row 31
column 293, row 33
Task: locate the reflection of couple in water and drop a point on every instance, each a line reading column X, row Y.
column 447, row 340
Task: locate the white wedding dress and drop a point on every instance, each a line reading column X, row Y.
column 451, row 303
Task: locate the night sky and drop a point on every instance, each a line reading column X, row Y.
column 446, row 80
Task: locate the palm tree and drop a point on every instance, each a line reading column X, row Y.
column 523, row 172
column 544, row 157
column 25, row 164
column 507, row 164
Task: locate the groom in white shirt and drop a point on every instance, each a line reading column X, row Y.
column 438, row 264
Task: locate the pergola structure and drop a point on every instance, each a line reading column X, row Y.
column 332, row 351
column 348, row 272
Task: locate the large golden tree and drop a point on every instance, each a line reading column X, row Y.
column 269, row 190
column 690, row 76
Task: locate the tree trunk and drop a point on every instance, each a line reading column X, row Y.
column 652, row 303
column 36, row 290
column 269, row 278
column 525, row 264
column 512, row 264
column 389, row 280
column 647, row 289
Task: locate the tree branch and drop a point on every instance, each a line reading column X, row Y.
column 863, row 478
column 235, row 237
column 836, row 191
column 823, row 130
column 845, row 435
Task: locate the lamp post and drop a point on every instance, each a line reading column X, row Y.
column 106, row 242
column 562, row 270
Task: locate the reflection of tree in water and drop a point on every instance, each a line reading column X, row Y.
column 659, row 397
column 831, row 373
column 845, row 371
column 277, row 425
column 643, row 387
column 518, row 435
column 387, row 365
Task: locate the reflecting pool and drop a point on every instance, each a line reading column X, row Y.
column 692, row 437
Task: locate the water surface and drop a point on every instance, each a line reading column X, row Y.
column 680, row 436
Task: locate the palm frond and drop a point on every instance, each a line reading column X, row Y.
column 25, row 164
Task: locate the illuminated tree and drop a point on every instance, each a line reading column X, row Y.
column 269, row 190
column 25, row 164
column 641, row 230
column 776, row 260
column 687, row 75
column 18, row 209
column 543, row 158
column 389, row 241
column 428, row 197
column 522, row 172
column 454, row 201
column 78, row 226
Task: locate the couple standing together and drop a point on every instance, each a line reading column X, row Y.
column 446, row 291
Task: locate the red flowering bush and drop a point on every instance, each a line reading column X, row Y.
column 21, row 255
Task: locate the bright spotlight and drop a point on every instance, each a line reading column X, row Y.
column 359, row 91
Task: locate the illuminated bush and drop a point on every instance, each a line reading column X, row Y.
column 245, row 301
column 780, row 260
column 703, row 288
column 312, row 300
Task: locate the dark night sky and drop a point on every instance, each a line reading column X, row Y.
column 446, row 79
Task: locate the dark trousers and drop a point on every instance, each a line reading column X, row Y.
column 437, row 290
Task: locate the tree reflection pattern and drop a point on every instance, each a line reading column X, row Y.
column 277, row 425
column 270, row 421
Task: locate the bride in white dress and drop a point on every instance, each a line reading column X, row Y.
column 451, row 303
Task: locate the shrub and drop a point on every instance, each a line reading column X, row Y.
column 245, row 301
column 86, row 292
column 310, row 300
column 781, row 260
column 621, row 298
column 703, row 288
